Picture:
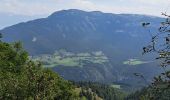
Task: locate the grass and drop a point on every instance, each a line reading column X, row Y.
column 116, row 86
column 70, row 59
column 134, row 62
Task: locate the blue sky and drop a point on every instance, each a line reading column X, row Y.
column 46, row 7
column 15, row 11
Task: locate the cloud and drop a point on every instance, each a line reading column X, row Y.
column 26, row 7
column 45, row 7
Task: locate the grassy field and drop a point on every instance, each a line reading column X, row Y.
column 70, row 59
column 116, row 86
column 134, row 62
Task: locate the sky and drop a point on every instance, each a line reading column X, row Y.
column 46, row 7
column 36, row 8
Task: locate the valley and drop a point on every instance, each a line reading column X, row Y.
column 89, row 46
column 69, row 59
column 84, row 50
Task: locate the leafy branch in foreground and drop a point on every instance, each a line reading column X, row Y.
column 160, row 45
column 23, row 79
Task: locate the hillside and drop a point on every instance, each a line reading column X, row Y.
column 119, row 37
column 22, row 78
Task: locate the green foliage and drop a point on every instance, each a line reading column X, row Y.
column 134, row 62
column 105, row 92
column 160, row 44
column 138, row 95
column 22, row 78
column 88, row 95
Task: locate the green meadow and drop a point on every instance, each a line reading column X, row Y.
column 134, row 62
column 65, row 58
column 116, row 86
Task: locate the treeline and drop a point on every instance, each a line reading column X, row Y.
column 138, row 95
column 106, row 92
column 161, row 91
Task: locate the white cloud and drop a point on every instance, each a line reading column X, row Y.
column 25, row 8
column 45, row 7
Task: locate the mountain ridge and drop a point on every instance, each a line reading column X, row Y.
column 119, row 36
column 77, row 10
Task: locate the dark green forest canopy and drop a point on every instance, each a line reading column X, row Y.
column 104, row 91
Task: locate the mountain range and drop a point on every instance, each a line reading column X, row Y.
column 118, row 37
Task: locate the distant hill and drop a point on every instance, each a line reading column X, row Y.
column 119, row 36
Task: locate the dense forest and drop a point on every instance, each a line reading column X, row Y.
column 105, row 92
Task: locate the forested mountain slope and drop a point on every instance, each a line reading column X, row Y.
column 89, row 46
